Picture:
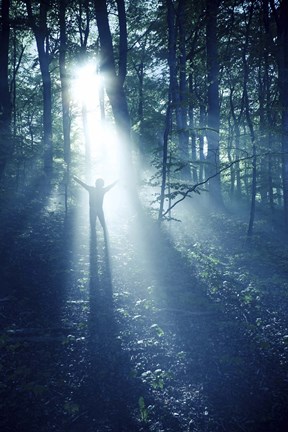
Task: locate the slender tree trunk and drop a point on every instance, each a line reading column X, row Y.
column 140, row 110
column 192, row 129
column 123, row 48
column 253, row 190
column 183, row 93
column 42, row 41
column 237, row 122
column 263, row 127
column 213, row 113
column 280, row 14
column 178, row 90
column 283, row 84
column 230, row 158
column 173, row 97
column 84, row 29
column 87, row 139
column 65, row 94
column 5, row 102
column 250, row 124
column 270, row 182
column 64, row 80
column 83, row 20
column 269, row 46
column 202, row 170
column 165, row 159
column 171, row 63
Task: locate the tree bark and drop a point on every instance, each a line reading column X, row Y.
column 64, row 81
column 114, row 86
column 42, row 41
column 237, row 122
column 249, row 123
column 280, row 15
column 84, row 30
column 213, row 112
column 282, row 26
column 5, row 102
column 176, row 88
column 123, row 48
column 192, row 131
column 65, row 94
column 183, row 92
column 203, row 167
column 113, row 82
column 165, row 158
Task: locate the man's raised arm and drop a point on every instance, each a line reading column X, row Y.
column 84, row 185
column 107, row 188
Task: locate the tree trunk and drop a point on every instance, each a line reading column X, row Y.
column 140, row 111
column 237, row 122
column 123, row 48
column 183, row 93
column 281, row 19
column 5, row 102
column 283, row 84
column 64, row 81
column 84, row 30
column 176, row 88
column 270, row 182
column 230, row 158
column 250, row 123
column 42, row 41
column 192, row 129
column 165, row 158
column 213, row 113
column 65, row 95
column 114, row 86
column 202, row 170
column 113, row 83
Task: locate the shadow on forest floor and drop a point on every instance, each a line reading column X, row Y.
column 127, row 334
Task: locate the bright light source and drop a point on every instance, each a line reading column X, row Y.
column 87, row 91
column 86, row 86
column 99, row 136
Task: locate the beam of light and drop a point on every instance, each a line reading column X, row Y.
column 98, row 139
column 85, row 90
column 140, row 266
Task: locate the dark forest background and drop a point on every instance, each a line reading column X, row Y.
column 195, row 95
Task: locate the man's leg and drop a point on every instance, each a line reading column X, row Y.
column 101, row 218
column 92, row 218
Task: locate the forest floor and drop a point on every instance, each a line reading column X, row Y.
column 179, row 328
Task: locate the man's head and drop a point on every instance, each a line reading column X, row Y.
column 99, row 183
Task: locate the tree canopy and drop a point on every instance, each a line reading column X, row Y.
column 212, row 75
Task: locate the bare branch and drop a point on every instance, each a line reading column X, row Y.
column 226, row 167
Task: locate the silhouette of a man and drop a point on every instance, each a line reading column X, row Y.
column 96, row 197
